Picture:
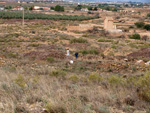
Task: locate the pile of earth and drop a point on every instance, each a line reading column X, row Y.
column 143, row 53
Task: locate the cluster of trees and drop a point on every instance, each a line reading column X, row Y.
column 107, row 7
column 58, row 8
column 142, row 25
column 148, row 15
column 95, row 8
column 18, row 15
column 8, row 7
column 79, row 7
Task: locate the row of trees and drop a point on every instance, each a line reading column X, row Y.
column 79, row 7
column 95, row 8
column 142, row 25
column 18, row 15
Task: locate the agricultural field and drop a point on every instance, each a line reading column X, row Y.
column 18, row 15
column 111, row 74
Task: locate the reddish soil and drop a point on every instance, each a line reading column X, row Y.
column 44, row 51
column 143, row 53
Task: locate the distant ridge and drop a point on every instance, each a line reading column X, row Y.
column 142, row 1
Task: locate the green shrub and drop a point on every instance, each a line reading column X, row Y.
column 148, row 15
column 91, row 51
column 74, row 78
column 11, row 55
column 58, row 73
column 139, row 24
column 50, row 59
column 20, row 81
column 78, row 40
column 114, row 46
column 147, row 27
column 59, row 8
column 34, row 45
column 95, row 77
column 114, row 79
column 131, row 27
column 135, row 36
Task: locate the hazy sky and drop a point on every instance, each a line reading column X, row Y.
column 129, row 0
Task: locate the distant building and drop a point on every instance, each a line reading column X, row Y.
column 108, row 23
column 18, row 8
column 84, row 9
column 1, row 8
column 36, row 7
column 41, row 8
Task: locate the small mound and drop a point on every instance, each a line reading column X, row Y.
column 143, row 53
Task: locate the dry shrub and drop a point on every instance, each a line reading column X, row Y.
column 143, row 84
column 51, row 108
column 74, row 78
column 58, row 73
column 94, row 77
column 116, row 80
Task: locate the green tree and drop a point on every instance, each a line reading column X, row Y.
column 59, row 8
column 79, row 7
column 8, row 7
column 135, row 36
column 148, row 15
column 90, row 8
column 30, row 8
column 95, row 8
column 115, row 9
column 52, row 8
column 139, row 24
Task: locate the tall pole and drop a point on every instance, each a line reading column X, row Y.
column 23, row 18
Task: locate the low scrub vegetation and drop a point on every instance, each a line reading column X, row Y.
column 90, row 51
column 105, row 40
column 148, row 15
column 135, row 36
column 140, row 24
column 58, row 73
column 78, row 40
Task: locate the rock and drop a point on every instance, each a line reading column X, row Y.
column 147, row 63
column 71, row 61
column 126, row 59
column 140, row 62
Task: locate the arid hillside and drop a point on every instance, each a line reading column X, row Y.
column 110, row 75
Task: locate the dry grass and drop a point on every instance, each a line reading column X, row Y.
column 99, row 81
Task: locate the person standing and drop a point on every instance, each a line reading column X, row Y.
column 76, row 55
column 67, row 52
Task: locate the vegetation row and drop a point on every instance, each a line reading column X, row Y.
column 18, row 15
